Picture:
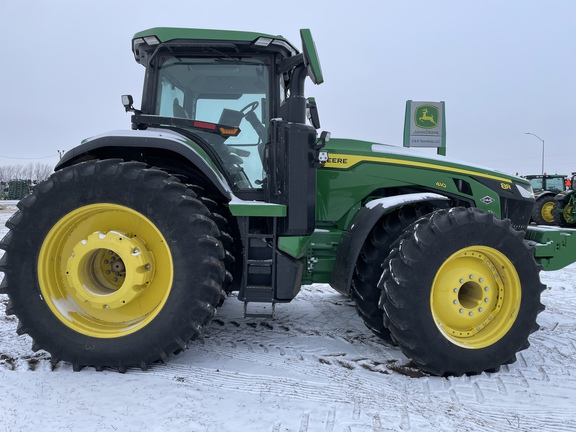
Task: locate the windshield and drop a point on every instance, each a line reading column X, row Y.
column 555, row 184
column 227, row 91
column 536, row 183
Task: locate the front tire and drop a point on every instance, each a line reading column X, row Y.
column 561, row 217
column 368, row 270
column 112, row 264
column 461, row 291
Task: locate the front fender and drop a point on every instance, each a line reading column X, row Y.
column 564, row 196
column 353, row 239
column 161, row 139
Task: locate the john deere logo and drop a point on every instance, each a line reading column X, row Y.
column 426, row 116
column 487, row 200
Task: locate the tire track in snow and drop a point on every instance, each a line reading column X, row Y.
column 358, row 390
column 509, row 382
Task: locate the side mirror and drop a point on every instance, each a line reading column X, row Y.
column 311, row 60
column 312, row 109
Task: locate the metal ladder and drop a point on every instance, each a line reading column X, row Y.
column 259, row 275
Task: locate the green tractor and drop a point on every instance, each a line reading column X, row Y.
column 564, row 211
column 546, row 187
column 223, row 185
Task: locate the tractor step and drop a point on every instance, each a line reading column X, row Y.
column 267, row 310
column 259, row 294
column 259, row 272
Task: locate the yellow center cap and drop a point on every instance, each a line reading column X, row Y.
column 109, row 270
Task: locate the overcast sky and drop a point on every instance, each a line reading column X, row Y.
column 503, row 68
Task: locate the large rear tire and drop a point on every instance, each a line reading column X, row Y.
column 112, row 264
column 542, row 212
column 461, row 291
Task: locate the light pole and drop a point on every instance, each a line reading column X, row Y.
column 530, row 133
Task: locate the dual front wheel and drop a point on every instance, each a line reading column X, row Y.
column 460, row 292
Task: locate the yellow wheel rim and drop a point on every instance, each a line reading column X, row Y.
column 567, row 212
column 475, row 297
column 546, row 211
column 105, row 270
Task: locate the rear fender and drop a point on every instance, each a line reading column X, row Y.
column 353, row 239
column 153, row 139
column 545, row 193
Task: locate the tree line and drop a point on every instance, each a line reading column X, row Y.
column 35, row 172
column 16, row 180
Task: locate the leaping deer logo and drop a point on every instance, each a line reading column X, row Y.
column 425, row 117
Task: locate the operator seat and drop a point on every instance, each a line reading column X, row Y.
column 178, row 110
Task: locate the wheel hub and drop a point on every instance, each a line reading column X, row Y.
column 109, row 270
column 568, row 213
column 475, row 297
column 473, row 303
column 547, row 211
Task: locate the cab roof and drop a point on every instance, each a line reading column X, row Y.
column 158, row 35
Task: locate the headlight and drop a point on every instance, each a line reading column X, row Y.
column 525, row 190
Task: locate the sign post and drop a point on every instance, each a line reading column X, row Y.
column 425, row 126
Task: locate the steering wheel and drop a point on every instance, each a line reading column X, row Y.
column 251, row 107
column 248, row 112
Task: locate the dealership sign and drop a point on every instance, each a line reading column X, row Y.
column 424, row 125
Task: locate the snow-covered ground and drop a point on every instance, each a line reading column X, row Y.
column 315, row 367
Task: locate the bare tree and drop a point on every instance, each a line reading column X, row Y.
column 42, row 171
column 35, row 172
column 26, row 172
column 9, row 172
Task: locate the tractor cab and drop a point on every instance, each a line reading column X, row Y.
column 232, row 93
column 239, row 96
column 239, row 100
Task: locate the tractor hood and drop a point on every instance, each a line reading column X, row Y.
column 347, row 153
column 357, row 172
